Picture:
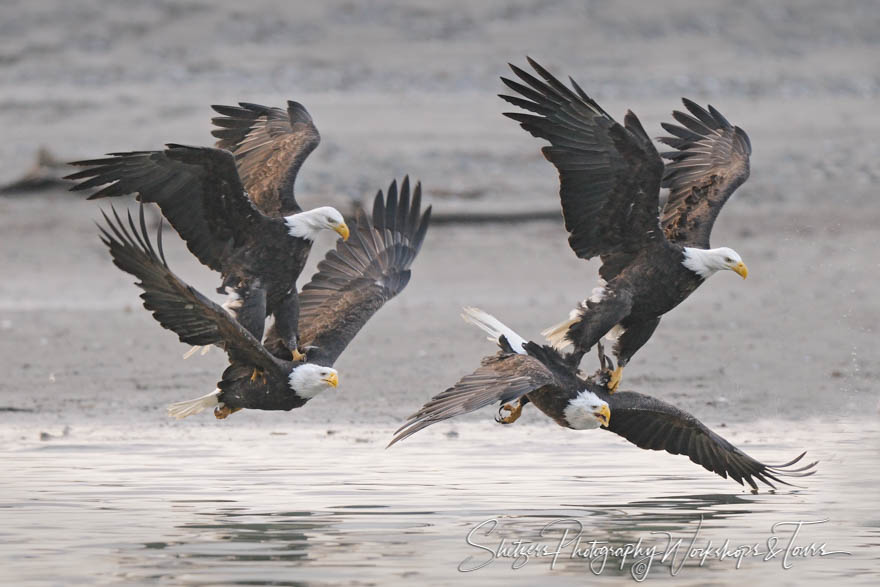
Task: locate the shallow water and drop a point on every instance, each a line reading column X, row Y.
column 182, row 506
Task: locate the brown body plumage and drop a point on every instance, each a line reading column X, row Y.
column 525, row 372
column 234, row 209
column 351, row 284
column 610, row 178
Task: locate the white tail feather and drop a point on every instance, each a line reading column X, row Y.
column 616, row 332
column 494, row 327
column 195, row 349
column 557, row 335
column 181, row 410
column 192, row 350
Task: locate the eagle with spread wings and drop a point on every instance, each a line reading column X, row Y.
column 523, row 372
column 610, row 176
column 351, row 284
column 234, row 206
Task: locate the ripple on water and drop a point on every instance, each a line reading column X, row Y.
column 303, row 508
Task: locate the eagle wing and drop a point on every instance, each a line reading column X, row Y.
column 197, row 189
column 270, row 145
column 175, row 305
column 356, row 279
column 503, row 377
column 609, row 174
column 711, row 160
column 652, row 424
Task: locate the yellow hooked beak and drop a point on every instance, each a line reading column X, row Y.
column 332, row 379
column 603, row 415
column 342, row 229
column 741, row 269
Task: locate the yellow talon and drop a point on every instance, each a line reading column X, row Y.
column 616, row 376
column 223, row 412
column 258, row 373
column 513, row 416
column 297, row 356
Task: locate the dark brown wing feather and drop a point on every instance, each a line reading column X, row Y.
column 175, row 305
column 503, row 377
column 356, row 279
column 270, row 145
column 711, row 160
column 197, row 189
column 609, row 174
column 652, row 424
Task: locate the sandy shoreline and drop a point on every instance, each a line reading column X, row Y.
column 409, row 87
column 77, row 345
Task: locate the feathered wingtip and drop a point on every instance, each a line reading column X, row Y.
column 698, row 126
column 774, row 472
column 398, row 215
column 236, row 122
column 129, row 248
column 181, row 410
column 542, row 97
column 298, row 113
column 400, row 210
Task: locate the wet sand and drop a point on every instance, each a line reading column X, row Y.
column 78, row 347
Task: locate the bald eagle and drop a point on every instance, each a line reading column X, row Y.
column 351, row 284
column 610, row 178
column 259, row 247
column 525, row 372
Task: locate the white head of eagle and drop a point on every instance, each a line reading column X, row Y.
column 705, row 262
column 308, row 224
column 309, row 380
column 586, row 411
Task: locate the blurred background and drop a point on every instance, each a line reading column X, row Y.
column 410, row 88
column 99, row 482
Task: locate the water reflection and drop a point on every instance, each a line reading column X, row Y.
column 145, row 512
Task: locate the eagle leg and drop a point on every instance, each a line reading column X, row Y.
column 634, row 336
column 607, row 373
column 223, row 412
column 297, row 356
column 515, row 411
column 258, row 373
column 287, row 320
column 251, row 312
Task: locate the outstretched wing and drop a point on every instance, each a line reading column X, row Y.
column 363, row 273
column 197, row 189
column 652, row 424
column 711, row 160
column 175, row 305
column 609, row 174
column 270, row 145
column 503, row 377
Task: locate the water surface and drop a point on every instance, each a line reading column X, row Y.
column 206, row 506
